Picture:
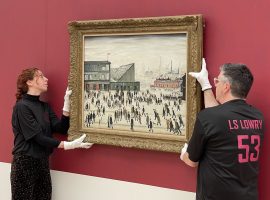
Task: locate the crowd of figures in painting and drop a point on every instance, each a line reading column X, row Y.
column 146, row 111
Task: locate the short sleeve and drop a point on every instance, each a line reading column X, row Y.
column 197, row 142
column 27, row 122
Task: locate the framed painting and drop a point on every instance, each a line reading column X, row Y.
column 129, row 81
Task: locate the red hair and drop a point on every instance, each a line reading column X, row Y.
column 22, row 87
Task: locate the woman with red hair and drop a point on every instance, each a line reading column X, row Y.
column 33, row 122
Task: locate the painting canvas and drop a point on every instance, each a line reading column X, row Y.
column 135, row 83
column 132, row 86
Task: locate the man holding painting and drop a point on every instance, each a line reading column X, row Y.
column 227, row 137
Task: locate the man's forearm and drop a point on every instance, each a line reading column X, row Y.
column 188, row 161
column 65, row 113
column 209, row 99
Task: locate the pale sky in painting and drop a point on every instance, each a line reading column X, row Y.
column 148, row 52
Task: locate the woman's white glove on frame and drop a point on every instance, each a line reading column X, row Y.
column 66, row 100
column 77, row 143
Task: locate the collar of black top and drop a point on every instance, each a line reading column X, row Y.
column 31, row 97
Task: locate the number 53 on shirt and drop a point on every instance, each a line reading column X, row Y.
column 247, row 156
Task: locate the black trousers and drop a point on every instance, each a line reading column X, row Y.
column 30, row 178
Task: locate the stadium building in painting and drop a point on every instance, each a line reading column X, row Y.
column 98, row 75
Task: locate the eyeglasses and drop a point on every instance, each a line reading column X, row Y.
column 217, row 80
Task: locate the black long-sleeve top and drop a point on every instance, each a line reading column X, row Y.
column 33, row 123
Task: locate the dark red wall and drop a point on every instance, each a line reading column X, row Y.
column 34, row 33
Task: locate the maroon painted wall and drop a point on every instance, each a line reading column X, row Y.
column 34, row 33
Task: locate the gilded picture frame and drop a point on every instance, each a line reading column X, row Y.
column 129, row 81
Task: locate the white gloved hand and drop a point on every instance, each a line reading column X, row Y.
column 66, row 100
column 183, row 151
column 77, row 143
column 202, row 77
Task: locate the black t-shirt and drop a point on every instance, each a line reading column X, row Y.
column 33, row 122
column 226, row 142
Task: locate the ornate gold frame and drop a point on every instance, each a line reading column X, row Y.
column 192, row 25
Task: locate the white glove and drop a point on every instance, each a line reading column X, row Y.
column 202, row 77
column 183, row 151
column 66, row 100
column 77, row 143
